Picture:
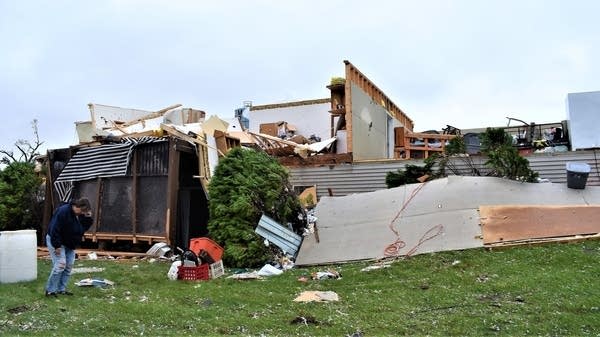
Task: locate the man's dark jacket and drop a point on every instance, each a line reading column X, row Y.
column 66, row 228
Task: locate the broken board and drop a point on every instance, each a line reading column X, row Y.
column 513, row 223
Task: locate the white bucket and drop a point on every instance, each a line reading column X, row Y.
column 18, row 256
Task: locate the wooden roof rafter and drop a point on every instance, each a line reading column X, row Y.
column 267, row 142
column 353, row 75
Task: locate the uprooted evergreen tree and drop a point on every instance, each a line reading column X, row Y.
column 247, row 183
column 409, row 174
column 503, row 157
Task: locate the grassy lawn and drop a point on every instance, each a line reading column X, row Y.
column 548, row 290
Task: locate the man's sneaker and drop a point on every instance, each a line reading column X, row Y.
column 50, row 294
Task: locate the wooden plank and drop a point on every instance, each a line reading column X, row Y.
column 516, row 222
column 318, row 160
column 176, row 133
column 204, row 169
column 114, row 237
column 221, row 142
column 43, row 252
column 348, row 104
column 151, row 115
column 268, row 129
column 275, row 139
column 540, row 241
column 429, row 135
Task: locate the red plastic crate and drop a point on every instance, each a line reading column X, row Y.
column 194, row 273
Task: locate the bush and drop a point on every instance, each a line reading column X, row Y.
column 408, row 175
column 503, row 158
column 247, row 183
column 19, row 204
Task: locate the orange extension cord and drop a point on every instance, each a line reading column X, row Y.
column 393, row 249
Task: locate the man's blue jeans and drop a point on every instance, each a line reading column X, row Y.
column 61, row 267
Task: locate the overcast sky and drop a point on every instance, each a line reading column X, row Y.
column 464, row 63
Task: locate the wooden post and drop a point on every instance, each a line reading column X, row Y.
column 134, row 183
column 348, row 105
column 97, row 213
column 172, row 192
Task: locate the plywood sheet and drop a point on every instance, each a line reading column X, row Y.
column 359, row 227
column 356, row 226
column 509, row 223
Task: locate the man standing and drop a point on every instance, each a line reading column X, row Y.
column 65, row 232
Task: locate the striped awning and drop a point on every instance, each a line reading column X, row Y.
column 108, row 160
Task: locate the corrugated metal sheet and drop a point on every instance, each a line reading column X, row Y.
column 280, row 236
column 370, row 176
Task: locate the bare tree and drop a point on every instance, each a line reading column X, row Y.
column 27, row 150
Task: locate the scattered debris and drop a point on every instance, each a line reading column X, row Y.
column 83, row 270
column 311, row 222
column 330, row 274
column 93, row 282
column 158, row 249
column 269, row 270
column 304, row 320
column 20, row 309
column 376, row 266
column 217, row 269
column 92, row 256
column 317, row 296
column 482, row 278
column 246, row 276
column 205, row 302
column 172, row 273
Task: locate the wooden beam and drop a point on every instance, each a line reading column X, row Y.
column 151, row 115
column 173, row 131
column 275, row 139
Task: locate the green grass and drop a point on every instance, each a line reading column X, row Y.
column 549, row 290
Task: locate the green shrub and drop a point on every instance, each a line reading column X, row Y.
column 503, row 157
column 408, row 175
column 19, row 204
column 246, row 184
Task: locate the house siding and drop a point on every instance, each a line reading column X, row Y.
column 369, row 176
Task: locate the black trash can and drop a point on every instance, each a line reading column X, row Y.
column 577, row 174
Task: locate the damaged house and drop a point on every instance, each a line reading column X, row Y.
column 358, row 122
column 145, row 173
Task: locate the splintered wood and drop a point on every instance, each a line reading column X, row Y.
column 503, row 224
